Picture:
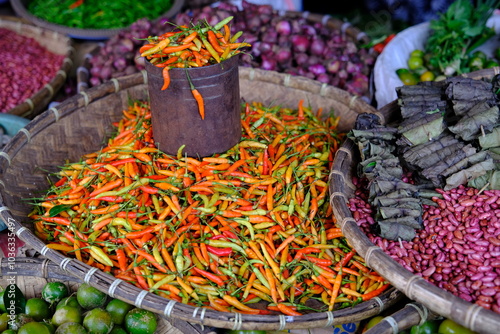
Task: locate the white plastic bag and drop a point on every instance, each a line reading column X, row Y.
column 397, row 52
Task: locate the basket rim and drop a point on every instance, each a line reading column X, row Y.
column 89, row 34
column 36, row 103
column 413, row 286
column 142, row 298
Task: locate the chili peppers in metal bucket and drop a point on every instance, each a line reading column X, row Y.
column 175, row 111
column 194, row 88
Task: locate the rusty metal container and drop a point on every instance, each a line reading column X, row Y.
column 175, row 117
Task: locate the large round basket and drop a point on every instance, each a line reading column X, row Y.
column 55, row 43
column 413, row 286
column 80, row 125
column 20, row 8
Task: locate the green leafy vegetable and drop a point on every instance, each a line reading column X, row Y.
column 458, row 31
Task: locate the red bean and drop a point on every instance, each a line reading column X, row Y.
column 476, row 276
column 458, row 279
column 459, row 247
column 466, row 297
column 487, row 279
column 494, row 241
column 492, row 199
column 475, row 262
column 483, row 304
column 476, row 285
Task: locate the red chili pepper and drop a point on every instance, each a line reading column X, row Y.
column 345, row 260
column 76, row 4
column 166, row 77
column 217, row 237
column 149, row 189
column 306, row 250
column 219, row 251
column 122, row 161
column 214, row 278
column 61, row 182
column 230, row 235
column 115, row 199
column 378, row 47
column 389, row 38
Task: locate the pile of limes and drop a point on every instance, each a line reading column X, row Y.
column 88, row 311
column 420, row 67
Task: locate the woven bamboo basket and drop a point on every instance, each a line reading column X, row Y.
column 413, row 286
column 80, row 125
column 20, row 8
column 52, row 41
column 31, row 275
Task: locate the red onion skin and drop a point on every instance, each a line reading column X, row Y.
column 300, row 43
column 317, row 47
column 269, row 64
column 284, row 28
column 317, row 69
column 301, row 59
column 284, row 56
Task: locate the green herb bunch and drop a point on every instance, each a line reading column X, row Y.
column 457, row 32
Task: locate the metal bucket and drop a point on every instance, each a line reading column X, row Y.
column 175, row 117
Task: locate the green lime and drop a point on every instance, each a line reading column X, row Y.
column 415, row 62
column 70, row 301
column 118, row 310
column 89, row 297
column 417, row 53
column 37, row 308
column 71, row 328
column 33, row 328
column 401, row 71
column 47, row 323
column 98, row 321
column 408, row 78
column 476, row 63
column 66, row 314
column 372, row 322
column 53, row 292
column 448, row 326
column 2, row 305
column 427, row 76
column 4, row 321
column 20, row 320
column 140, row 321
column 9, row 331
column 118, row 330
column 479, row 54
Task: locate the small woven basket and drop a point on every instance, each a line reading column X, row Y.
column 20, row 8
column 80, row 125
column 413, row 286
column 55, row 43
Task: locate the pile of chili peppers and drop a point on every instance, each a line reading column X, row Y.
column 223, row 232
column 195, row 46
